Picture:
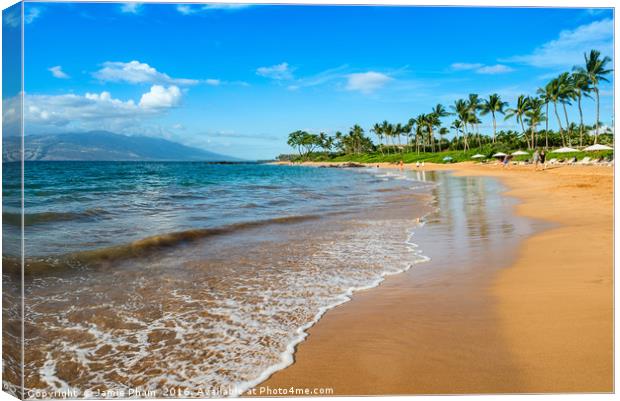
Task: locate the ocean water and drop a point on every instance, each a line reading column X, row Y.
column 194, row 279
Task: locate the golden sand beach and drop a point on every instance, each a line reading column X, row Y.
column 544, row 323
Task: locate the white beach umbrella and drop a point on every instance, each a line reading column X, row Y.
column 478, row 156
column 597, row 147
column 500, row 154
column 519, row 153
column 565, row 150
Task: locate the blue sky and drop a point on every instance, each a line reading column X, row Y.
column 236, row 80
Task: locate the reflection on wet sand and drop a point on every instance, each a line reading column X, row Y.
column 472, row 234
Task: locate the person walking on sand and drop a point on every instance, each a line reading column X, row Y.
column 536, row 159
column 542, row 156
column 506, row 160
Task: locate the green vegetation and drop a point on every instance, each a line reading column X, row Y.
column 423, row 138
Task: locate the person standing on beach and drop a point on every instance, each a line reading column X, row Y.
column 542, row 158
column 536, row 159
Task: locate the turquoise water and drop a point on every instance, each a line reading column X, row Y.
column 76, row 206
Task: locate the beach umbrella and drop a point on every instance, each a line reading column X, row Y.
column 500, row 154
column 478, row 156
column 565, row 150
column 519, row 153
column 597, row 147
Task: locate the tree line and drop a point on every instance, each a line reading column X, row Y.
column 530, row 112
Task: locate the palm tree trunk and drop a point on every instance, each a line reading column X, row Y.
column 456, row 136
column 417, row 143
column 568, row 127
column 580, row 120
column 494, row 126
column 598, row 105
column 465, row 144
column 555, row 109
column 547, row 126
column 431, row 139
column 522, row 126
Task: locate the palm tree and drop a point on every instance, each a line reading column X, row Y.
column 473, row 104
column 398, row 131
column 386, row 129
column 357, row 133
column 378, row 130
column 566, row 94
column 443, row 131
column 434, row 120
column 519, row 111
column 420, row 122
column 456, row 124
column 595, row 71
column 555, row 93
column 412, row 129
column 493, row 105
column 475, row 121
column 545, row 95
column 581, row 85
column 534, row 116
column 461, row 109
column 327, row 142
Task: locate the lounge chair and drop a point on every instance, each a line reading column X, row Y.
column 585, row 160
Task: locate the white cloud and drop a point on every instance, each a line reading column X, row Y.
column 213, row 82
column 494, row 69
column 278, row 72
column 57, row 72
column 188, row 9
column 481, row 68
column 224, row 6
column 465, row 66
column 161, row 97
column 568, row 49
column 13, row 18
column 597, row 11
column 31, row 13
column 366, row 82
column 131, row 8
column 321, row 78
column 47, row 113
column 135, row 72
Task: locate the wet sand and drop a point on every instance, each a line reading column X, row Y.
column 521, row 318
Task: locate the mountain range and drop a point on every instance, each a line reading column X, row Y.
column 104, row 146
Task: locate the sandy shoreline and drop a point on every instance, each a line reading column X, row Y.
column 542, row 324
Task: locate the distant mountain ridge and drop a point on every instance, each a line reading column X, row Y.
column 104, row 146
